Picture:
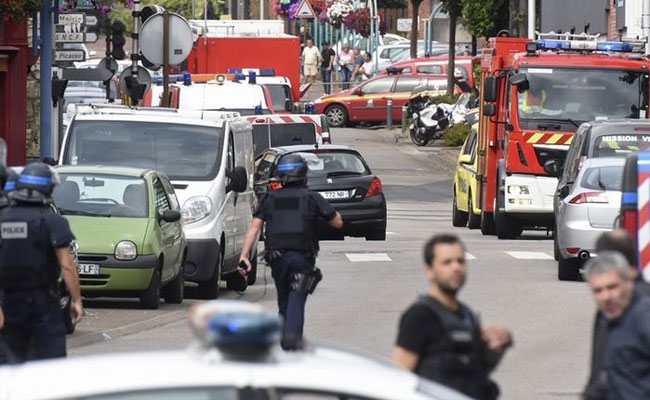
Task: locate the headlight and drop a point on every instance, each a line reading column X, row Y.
column 126, row 250
column 518, row 189
column 196, row 208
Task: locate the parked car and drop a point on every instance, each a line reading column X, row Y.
column 127, row 225
column 465, row 205
column 586, row 210
column 236, row 356
column 288, row 129
column 368, row 102
column 340, row 175
column 208, row 156
column 463, row 66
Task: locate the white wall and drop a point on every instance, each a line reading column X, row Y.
column 633, row 17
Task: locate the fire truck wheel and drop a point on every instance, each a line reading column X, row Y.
column 473, row 221
column 487, row 223
column 568, row 269
column 459, row 218
column 337, row 115
column 506, row 227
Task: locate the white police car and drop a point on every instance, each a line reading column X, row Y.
column 237, row 358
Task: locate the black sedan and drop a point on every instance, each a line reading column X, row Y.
column 342, row 177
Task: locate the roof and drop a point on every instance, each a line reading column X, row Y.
column 603, row 162
column 103, row 170
column 226, row 95
column 306, row 148
column 152, row 114
column 612, row 125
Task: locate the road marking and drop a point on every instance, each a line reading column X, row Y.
column 469, row 256
column 367, row 257
column 529, row 255
column 391, row 233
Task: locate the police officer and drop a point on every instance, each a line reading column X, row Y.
column 34, row 251
column 440, row 338
column 291, row 215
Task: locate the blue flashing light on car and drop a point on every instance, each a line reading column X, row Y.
column 310, row 108
column 582, row 45
column 252, row 77
column 615, row 46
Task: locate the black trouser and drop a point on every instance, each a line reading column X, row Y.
column 34, row 328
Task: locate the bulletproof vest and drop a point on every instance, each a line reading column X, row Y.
column 459, row 360
column 26, row 260
column 289, row 226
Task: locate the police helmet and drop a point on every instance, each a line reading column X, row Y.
column 35, row 183
column 292, row 168
column 12, row 178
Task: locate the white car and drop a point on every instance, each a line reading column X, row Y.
column 238, row 357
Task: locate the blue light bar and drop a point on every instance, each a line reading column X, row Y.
column 234, row 71
column 239, row 76
column 585, row 45
column 267, row 72
column 158, row 79
column 615, row 46
column 187, row 79
column 243, row 328
column 553, row 45
column 310, row 108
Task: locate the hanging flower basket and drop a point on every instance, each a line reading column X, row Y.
column 359, row 21
column 18, row 10
column 338, row 10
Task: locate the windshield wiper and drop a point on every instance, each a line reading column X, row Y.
column 81, row 212
column 569, row 120
column 341, row 173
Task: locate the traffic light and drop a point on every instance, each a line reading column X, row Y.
column 118, row 41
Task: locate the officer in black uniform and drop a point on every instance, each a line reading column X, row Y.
column 34, row 251
column 291, row 215
column 440, row 338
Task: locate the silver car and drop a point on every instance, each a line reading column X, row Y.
column 586, row 210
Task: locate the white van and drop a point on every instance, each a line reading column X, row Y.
column 208, row 156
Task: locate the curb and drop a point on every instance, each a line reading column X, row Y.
column 107, row 335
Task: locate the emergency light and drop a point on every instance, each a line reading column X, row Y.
column 188, row 79
column 579, row 42
column 257, row 71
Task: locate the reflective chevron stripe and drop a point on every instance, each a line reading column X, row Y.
column 549, row 138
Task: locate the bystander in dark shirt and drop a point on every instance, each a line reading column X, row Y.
column 327, row 56
column 627, row 354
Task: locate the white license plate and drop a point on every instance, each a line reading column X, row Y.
column 336, row 194
column 88, row 269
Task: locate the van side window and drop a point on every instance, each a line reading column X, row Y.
column 231, row 151
column 573, row 156
column 162, row 202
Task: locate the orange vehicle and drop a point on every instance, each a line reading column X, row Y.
column 534, row 96
column 463, row 67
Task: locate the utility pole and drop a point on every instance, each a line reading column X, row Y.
column 47, row 26
column 531, row 18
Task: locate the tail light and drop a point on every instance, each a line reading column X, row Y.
column 273, row 186
column 375, row 188
column 590, row 197
column 572, row 250
column 629, row 222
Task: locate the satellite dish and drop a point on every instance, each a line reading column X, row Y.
column 180, row 39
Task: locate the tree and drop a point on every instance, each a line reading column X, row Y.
column 415, row 5
column 481, row 17
column 454, row 8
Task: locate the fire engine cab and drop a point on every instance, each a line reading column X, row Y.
column 534, row 96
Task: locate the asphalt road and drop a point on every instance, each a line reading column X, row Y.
column 368, row 284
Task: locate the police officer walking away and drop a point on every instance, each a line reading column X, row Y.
column 34, row 251
column 440, row 338
column 291, row 215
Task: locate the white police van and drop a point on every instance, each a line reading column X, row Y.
column 208, row 157
column 237, row 357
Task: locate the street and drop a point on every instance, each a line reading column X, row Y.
column 368, row 284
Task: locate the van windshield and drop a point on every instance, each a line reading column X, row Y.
column 182, row 152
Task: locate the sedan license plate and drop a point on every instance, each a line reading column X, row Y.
column 88, row 269
column 336, row 194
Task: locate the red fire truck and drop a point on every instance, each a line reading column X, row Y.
column 534, row 96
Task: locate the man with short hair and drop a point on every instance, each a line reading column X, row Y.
column 626, row 359
column 440, row 338
column 619, row 241
column 310, row 58
column 328, row 56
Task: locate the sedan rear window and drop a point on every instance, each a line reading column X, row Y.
column 620, row 145
column 603, row 178
column 330, row 163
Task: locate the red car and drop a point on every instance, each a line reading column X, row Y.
column 437, row 66
column 368, row 102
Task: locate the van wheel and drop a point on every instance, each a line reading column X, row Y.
column 209, row 289
column 474, row 221
column 458, row 218
column 150, row 298
column 337, row 115
column 252, row 276
column 487, row 223
column 174, row 292
column 568, row 269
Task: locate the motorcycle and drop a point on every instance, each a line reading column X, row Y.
column 430, row 122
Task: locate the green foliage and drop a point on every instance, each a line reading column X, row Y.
column 455, row 135
column 182, row 7
column 392, row 4
column 19, row 10
column 480, row 16
column 476, row 70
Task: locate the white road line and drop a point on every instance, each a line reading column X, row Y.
column 469, row 256
column 367, row 257
column 391, row 233
column 529, row 255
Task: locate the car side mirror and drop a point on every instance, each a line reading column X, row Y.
column 465, row 159
column 238, row 180
column 553, row 168
column 564, row 191
column 169, row 216
column 520, row 80
column 490, row 89
column 358, row 92
column 49, row 161
column 489, row 110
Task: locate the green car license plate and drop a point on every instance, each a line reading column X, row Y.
column 88, row 269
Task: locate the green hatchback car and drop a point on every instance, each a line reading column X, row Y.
column 128, row 228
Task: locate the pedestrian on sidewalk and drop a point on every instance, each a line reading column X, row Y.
column 311, row 57
column 359, row 60
column 618, row 241
column 326, row 67
column 35, row 252
column 440, row 338
column 291, row 242
column 346, row 62
column 626, row 360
